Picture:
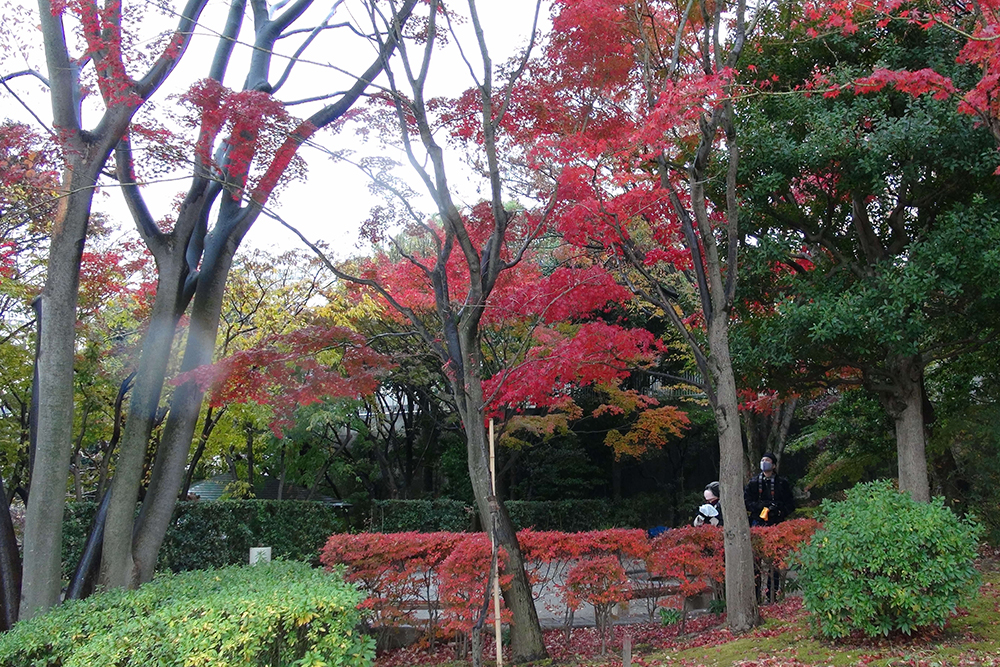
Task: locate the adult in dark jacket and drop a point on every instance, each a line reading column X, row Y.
column 767, row 496
column 769, row 500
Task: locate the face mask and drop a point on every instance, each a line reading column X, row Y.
column 766, row 465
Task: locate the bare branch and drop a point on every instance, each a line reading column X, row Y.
column 150, row 233
column 27, row 72
column 24, row 104
column 305, row 44
column 509, row 88
column 422, row 330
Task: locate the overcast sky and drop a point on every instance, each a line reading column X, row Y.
column 336, row 198
column 331, row 204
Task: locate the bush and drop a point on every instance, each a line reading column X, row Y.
column 431, row 516
column 220, row 533
column 280, row 614
column 445, row 573
column 883, row 562
column 425, row 516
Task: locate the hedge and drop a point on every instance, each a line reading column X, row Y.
column 220, row 533
column 426, row 516
column 276, row 615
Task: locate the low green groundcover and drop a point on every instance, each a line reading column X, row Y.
column 281, row 614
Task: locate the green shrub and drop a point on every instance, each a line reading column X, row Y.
column 275, row 615
column 431, row 516
column 219, row 533
column 425, row 516
column 883, row 562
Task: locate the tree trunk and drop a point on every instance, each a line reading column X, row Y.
column 10, row 567
column 211, row 419
column 741, row 599
column 76, row 463
column 717, row 295
column 281, row 475
column 526, row 641
column 768, row 433
column 905, row 405
column 81, row 584
column 250, row 461
column 47, row 495
column 185, row 407
column 117, row 567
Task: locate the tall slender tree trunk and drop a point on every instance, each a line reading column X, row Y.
column 185, row 406
column 50, row 470
column 211, row 419
column 249, row 434
column 526, row 641
column 117, row 567
column 741, row 599
column 905, row 404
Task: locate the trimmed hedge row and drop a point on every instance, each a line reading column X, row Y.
column 422, row 516
column 276, row 615
column 220, row 533
column 427, row 516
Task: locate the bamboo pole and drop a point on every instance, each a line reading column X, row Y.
column 496, row 554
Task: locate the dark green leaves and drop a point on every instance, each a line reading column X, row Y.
column 884, row 563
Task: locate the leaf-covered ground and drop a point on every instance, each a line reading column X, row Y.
column 784, row 640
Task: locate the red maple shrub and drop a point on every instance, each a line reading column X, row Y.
column 398, row 570
column 775, row 545
column 693, row 556
column 464, row 583
column 447, row 574
column 601, row 582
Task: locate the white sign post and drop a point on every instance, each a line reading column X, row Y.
column 260, row 555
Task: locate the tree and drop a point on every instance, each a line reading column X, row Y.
column 636, row 100
column 974, row 31
column 432, row 291
column 266, row 295
column 85, row 153
column 879, row 192
column 241, row 118
column 28, row 180
column 245, row 146
column 463, row 269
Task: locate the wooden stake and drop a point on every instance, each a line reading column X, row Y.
column 496, row 564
